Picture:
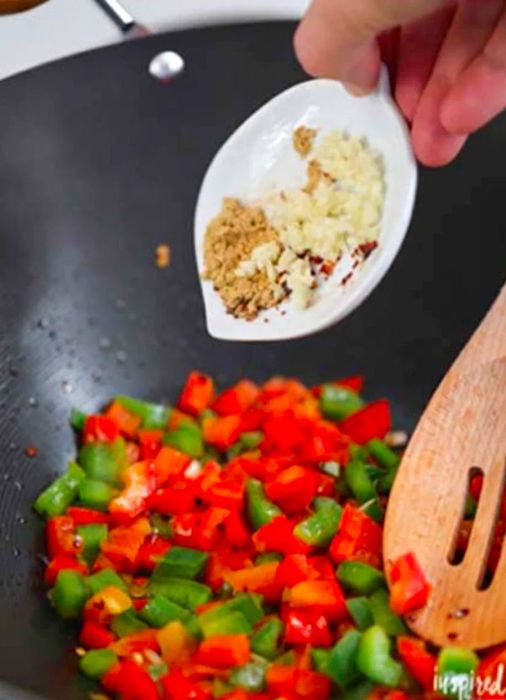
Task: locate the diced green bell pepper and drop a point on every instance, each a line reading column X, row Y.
column 250, row 677
column 127, row 623
column 153, row 416
column 342, row 659
column 232, row 623
column 455, row 669
column 260, row 510
column 318, row 529
column 159, row 611
column 265, row 640
column 57, row 497
column 361, row 691
column 360, row 610
column 189, row 594
column 357, row 478
column 77, row 419
column 320, row 658
column 96, row 494
column 187, row 438
column 157, row 671
column 287, row 659
column 373, row 658
column 383, row 454
column 245, row 603
column 104, row 461
column 97, row 662
column 220, row 688
column 360, row 577
column 181, row 562
column 91, row 536
column 247, row 441
column 161, row 525
column 359, row 452
column 104, row 578
column 384, row 615
column 339, row 402
column 373, row 509
column 69, row 593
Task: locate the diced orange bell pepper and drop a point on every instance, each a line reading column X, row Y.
column 176, row 643
column 224, row 651
column 140, row 482
column 197, row 394
column 257, row 579
column 123, row 544
column 169, row 462
column 127, row 422
column 221, row 432
column 325, row 595
column 409, row 589
column 137, row 641
column 358, row 537
column 105, row 604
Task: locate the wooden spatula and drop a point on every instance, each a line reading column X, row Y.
column 462, row 432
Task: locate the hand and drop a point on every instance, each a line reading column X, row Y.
column 447, row 61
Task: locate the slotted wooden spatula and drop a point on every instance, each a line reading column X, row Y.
column 462, row 432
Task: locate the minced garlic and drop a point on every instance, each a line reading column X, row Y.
column 256, row 256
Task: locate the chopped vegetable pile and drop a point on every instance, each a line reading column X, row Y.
column 231, row 547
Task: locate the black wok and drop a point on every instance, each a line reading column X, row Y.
column 99, row 164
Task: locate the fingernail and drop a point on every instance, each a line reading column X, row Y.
column 355, row 90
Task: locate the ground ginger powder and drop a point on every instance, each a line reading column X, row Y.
column 230, row 239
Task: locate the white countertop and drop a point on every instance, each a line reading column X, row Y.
column 63, row 27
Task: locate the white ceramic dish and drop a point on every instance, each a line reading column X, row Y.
column 259, row 157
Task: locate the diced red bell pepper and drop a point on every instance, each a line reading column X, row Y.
column 103, row 562
column 221, row 433
column 326, row 596
column 95, row 636
column 420, row 663
column 326, row 485
column 355, row 382
column 140, row 482
column 151, row 442
column 409, row 589
column 293, row 489
column 99, row 428
column 236, row 532
column 296, row 568
column 176, row 499
column 257, row 579
column 127, row 422
column 62, row 562
column 197, row 394
column 237, row 399
column 372, row 421
column 151, row 551
column 359, row 537
column 325, row 442
column 277, row 536
column 297, row 683
column 200, row 530
column 305, row 626
column 130, row 681
column 283, row 433
column 226, row 493
column 137, row 641
column 60, row 536
column 224, row 651
column 177, row 686
column 86, row 516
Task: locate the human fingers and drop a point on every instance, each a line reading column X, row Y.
column 471, row 26
column 338, row 38
column 419, row 44
column 479, row 93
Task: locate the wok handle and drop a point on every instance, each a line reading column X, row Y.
column 119, row 15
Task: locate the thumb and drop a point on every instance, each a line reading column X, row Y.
column 338, row 38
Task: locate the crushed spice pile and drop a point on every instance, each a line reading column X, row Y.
column 289, row 243
column 236, row 234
